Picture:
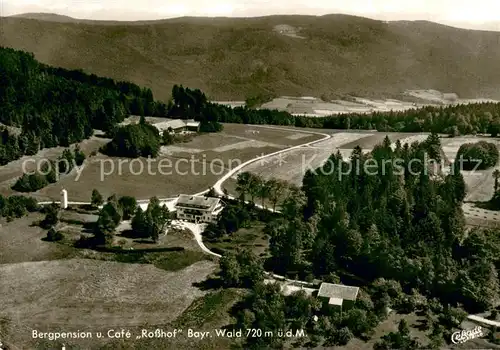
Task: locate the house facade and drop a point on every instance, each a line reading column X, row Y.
column 198, row 209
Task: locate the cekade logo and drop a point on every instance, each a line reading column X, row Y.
column 466, row 335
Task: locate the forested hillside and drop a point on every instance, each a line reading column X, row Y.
column 396, row 231
column 58, row 107
column 235, row 58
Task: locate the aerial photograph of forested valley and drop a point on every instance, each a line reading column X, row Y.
column 249, row 176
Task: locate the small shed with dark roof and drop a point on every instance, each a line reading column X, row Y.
column 338, row 294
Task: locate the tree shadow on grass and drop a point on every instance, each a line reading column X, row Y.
column 144, row 241
column 422, row 325
column 130, row 234
column 36, row 223
column 238, row 306
column 89, row 227
column 73, row 222
column 209, row 284
column 83, row 208
column 485, row 205
column 101, row 136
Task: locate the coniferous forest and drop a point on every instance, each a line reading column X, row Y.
column 58, row 107
column 402, row 225
column 453, row 120
column 398, row 232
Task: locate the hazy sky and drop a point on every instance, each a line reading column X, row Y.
column 466, row 13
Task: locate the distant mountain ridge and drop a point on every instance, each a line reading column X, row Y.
column 53, row 17
column 233, row 58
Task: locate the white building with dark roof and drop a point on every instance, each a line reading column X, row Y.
column 198, row 208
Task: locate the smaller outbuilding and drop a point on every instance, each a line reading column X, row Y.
column 338, row 295
column 192, row 125
column 177, row 126
column 174, row 126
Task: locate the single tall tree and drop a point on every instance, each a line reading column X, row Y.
column 96, row 199
column 263, row 192
column 242, row 184
column 496, row 176
column 276, row 191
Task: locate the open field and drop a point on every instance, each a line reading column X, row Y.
column 245, row 238
column 167, row 178
column 291, row 166
column 206, row 313
column 105, row 291
column 91, row 295
column 481, row 217
column 315, row 107
column 188, row 167
column 276, row 135
column 480, row 185
column 11, row 171
column 21, row 242
column 51, row 287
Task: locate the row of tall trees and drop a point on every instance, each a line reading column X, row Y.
column 453, row 120
column 252, row 187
